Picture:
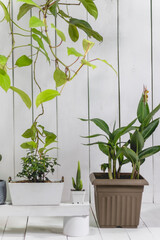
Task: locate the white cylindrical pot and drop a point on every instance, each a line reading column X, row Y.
column 36, row 193
column 78, row 196
column 76, row 226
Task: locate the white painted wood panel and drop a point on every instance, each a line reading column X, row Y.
column 103, row 82
column 72, row 105
column 22, row 80
column 44, row 76
column 156, row 95
column 6, row 108
column 135, row 69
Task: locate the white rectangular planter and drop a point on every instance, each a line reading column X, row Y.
column 36, row 193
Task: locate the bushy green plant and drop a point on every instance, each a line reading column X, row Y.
column 0, row 157
column 116, row 151
column 36, row 167
column 111, row 146
column 78, row 185
column 37, row 164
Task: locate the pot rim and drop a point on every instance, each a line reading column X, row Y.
column 20, row 182
column 117, row 182
column 73, row 190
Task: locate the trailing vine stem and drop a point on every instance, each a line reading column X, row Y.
column 46, row 31
column 34, row 72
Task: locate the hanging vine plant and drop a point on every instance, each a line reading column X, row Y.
column 43, row 46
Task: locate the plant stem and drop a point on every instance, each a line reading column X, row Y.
column 109, row 168
column 46, row 31
column 114, row 168
column 37, row 86
column 133, row 171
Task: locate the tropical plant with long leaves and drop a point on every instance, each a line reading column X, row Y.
column 111, row 145
column 116, row 151
column 136, row 154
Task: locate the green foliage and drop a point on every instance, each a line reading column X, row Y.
column 6, row 13
column 73, row 32
column 5, row 81
column 35, row 22
column 72, row 51
column 90, row 7
column 3, row 60
column 45, row 96
column 23, row 61
column 143, row 109
column 30, row 2
column 86, row 27
column 37, row 164
column 135, row 155
column 23, row 10
column 59, row 33
column 84, row 62
column 25, row 98
column 59, row 77
column 0, row 157
column 53, row 8
column 137, row 141
column 78, row 185
column 43, row 44
column 36, row 167
column 39, row 138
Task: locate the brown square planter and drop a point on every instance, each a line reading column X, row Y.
column 118, row 201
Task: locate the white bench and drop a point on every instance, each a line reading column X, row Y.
column 76, row 216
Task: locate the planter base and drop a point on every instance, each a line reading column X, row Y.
column 118, row 201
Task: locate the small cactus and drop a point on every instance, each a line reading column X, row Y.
column 78, row 186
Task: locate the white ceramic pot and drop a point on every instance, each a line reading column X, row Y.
column 78, row 196
column 36, row 193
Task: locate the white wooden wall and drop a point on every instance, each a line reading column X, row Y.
column 131, row 31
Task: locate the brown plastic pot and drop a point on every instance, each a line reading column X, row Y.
column 117, row 201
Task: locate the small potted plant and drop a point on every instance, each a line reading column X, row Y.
column 118, row 195
column 35, row 188
column 3, row 190
column 78, row 193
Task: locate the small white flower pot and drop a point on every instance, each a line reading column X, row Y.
column 78, row 196
column 36, row 193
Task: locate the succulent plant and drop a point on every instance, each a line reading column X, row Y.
column 78, row 185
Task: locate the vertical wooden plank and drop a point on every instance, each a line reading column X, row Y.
column 103, row 80
column 22, row 80
column 135, row 68
column 156, row 87
column 44, row 77
column 6, row 109
column 15, row 228
column 72, row 105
